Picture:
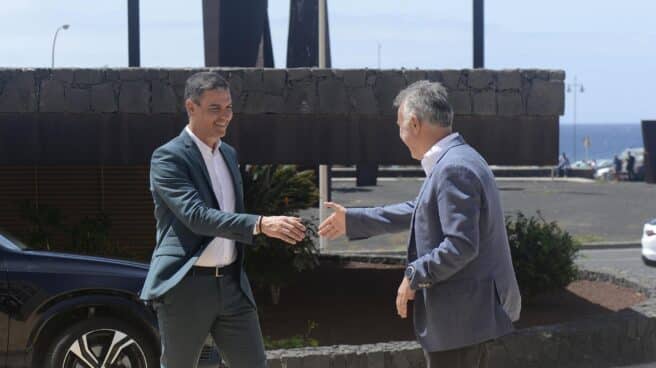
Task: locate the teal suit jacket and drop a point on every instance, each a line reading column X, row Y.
column 188, row 215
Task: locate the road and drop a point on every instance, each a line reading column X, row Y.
column 590, row 211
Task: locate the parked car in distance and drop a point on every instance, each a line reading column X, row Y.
column 649, row 242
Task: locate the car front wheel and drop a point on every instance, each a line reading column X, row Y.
column 102, row 342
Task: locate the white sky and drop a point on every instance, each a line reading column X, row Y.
column 610, row 46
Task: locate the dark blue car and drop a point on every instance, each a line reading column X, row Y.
column 73, row 311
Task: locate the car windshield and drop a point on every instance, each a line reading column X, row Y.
column 9, row 241
column 652, row 222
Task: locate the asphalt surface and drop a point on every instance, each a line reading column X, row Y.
column 593, row 212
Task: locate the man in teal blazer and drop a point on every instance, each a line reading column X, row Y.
column 196, row 281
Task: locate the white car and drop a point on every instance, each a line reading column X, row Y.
column 649, row 242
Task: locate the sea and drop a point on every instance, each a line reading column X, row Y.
column 605, row 140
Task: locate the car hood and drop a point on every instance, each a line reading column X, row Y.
column 77, row 263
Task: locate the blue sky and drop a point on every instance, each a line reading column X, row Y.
column 609, row 46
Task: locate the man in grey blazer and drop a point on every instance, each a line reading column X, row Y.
column 196, row 281
column 459, row 271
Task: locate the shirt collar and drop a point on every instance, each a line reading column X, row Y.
column 204, row 148
column 430, row 157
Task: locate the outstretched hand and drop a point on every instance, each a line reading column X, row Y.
column 335, row 225
column 285, row 228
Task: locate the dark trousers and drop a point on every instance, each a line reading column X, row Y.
column 474, row 356
column 203, row 304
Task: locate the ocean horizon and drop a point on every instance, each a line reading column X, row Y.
column 606, row 139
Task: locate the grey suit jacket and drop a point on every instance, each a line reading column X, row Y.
column 466, row 287
column 188, row 214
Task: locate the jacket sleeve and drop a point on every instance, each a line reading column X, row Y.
column 169, row 176
column 459, row 206
column 362, row 223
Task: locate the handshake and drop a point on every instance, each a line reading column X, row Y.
column 291, row 230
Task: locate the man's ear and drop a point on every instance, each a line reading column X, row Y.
column 190, row 106
column 415, row 124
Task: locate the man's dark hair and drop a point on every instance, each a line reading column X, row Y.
column 201, row 82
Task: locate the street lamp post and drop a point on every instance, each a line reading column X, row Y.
column 323, row 169
column 575, row 88
column 54, row 41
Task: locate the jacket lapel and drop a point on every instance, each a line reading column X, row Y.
column 197, row 158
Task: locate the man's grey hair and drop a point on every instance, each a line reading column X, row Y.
column 201, row 82
column 428, row 101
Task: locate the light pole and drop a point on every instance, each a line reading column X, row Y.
column 575, row 88
column 378, row 53
column 323, row 169
column 54, row 41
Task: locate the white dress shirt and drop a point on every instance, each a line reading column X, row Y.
column 220, row 251
column 430, row 157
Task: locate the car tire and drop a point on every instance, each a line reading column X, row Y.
column 91, row 339
column 648, row 261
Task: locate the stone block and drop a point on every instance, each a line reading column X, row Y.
column 414, row 75
column 42, row 73
column 546, row 98
column 164, row 99
column 388, row 85
column 454, row 79
column 79, row 100
column 484, row 102
column 178, row 77
column 274, row 363
column 292, row 362
column 298, row 74
column 274, row 81
column 322, row 73
column 509, row 103
column 53, row 97
column 399, row 359
column 103, row 98
column 134, row 97
column 19, row 93
column 332, row 97
column 461, row 102
column 316, row 361
column 557, row 75
column 354, row 78
column 481, row 79
column 434, row 76
column 339, row 361
column 132, row 74
column 542, row 74
column 253, row 80
column 375, row 359
column 301, row 99
column 363, row 101
column 89, row 76
column 259, row 102
column 153, row 74
column 509, row 79
column 63, row 75
column 111, row 75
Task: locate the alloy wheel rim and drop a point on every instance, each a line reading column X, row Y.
column 104, row 348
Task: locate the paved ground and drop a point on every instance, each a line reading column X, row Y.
column 591, row 211
column 625, row 263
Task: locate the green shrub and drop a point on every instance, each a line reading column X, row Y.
column 296, row 341
column 542, row 254
column 279, row 190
